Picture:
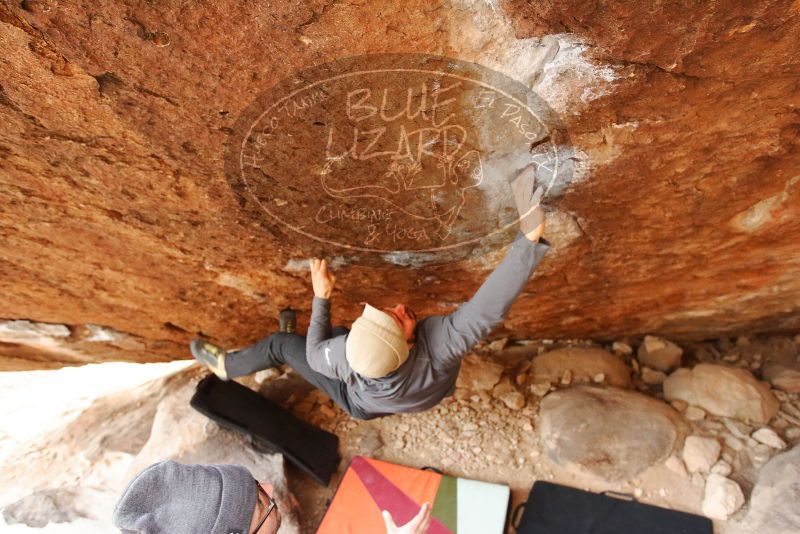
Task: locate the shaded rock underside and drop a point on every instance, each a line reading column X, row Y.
column 115, row 210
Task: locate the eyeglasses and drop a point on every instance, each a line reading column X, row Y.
column 272, row 506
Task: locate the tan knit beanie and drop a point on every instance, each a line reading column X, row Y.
column 375, row 345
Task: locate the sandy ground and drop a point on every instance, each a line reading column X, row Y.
column 471, row 435
column 478, row 438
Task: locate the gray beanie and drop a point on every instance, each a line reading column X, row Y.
column 172, row 498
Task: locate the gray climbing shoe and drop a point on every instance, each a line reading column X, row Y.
column 210, row 356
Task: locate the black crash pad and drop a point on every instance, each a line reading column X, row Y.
column 556, row 509
column 239, row 408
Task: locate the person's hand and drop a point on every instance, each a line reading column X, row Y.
column 528, row 198
column 322, row 280
column 418, row 525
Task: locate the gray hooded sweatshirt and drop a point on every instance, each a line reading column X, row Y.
column 429, row 374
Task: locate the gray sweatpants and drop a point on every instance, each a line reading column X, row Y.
column 290, row 349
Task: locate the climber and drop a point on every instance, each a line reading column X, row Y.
column 390, row 362
column 173, row 498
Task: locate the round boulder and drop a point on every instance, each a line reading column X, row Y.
column 584, row 364
column 724, row 391
column 607, row 432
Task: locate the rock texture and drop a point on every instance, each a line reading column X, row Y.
column 117, row 215
column 722, row 390
column 723, row 497
column 783, row 378
column 584, row 364
column 700, row 454
column 76, row 473
column 769, row 437
column 659, row 354
column 478, row 373
column 773, row 504
column 599, row 431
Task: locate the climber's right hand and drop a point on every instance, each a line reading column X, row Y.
column 527, row 197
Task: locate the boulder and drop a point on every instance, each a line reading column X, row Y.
column 723, row 497
column 773, row 505
column 700, row 454
column 478, row 373
column 724, row 391
column 77, row 472
column 608, row 433
column 782, row 377
column 582, row 365
column 659, row 354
